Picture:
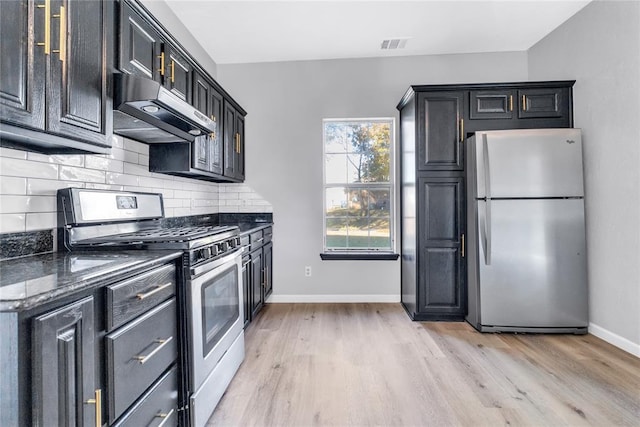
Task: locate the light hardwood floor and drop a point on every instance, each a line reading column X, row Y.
column 368, row 364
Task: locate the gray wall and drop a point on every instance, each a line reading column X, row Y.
column 600, row 48
column 286, row 103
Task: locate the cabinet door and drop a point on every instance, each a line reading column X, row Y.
column 22, row 68
column 257, row 282
column 216, row 149
column 441, row 131
column 78, row 104
column 267, row 252
column 200, row 100
column 491, row 104
column 64, row 366
column 543, row 103
column 246, row 289
column 140, row 46
column 239, row 154
column 440, row 285
column 230, row 141
column 177, row 76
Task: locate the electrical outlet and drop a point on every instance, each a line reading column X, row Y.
column 307, row 271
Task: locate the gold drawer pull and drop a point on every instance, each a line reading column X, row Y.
column 154, row 291
column 164, row 417
column 97, row 400
column 162, row 342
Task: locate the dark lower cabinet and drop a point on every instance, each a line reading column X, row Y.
column 440, row 291
column 71, row 361
column 267, row 253
column 435, row 121
column 65, row 390
column 56, row 68
column 257, row 271
column 246, row 289
column 257, row 282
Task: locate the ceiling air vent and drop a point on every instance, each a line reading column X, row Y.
column 393, row 44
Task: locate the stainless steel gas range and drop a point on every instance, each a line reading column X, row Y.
column 209, row 291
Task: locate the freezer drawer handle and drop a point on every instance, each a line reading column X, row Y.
column 462, row 245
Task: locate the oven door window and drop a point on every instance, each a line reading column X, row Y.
column 220, row 307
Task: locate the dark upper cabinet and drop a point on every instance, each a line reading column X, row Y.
column 543, row 103
column 64, row 366
column 233, row 142
column 491, row 104
column 145, row 52
column 54, row 92
column 177, row 76
column 22, row 89
column 140, row 48
column 521, row 107
column 441, row 129
column 208, row 149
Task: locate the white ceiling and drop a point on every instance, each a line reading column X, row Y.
column 265, row 31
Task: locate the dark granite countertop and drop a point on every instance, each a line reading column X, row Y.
column 29, row 281
column 250, row 227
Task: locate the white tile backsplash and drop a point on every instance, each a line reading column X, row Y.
column 29, row 182
column 12, row 223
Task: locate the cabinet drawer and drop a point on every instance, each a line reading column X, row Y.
column 127, row 300
column 138, row 353
column 268, row 234
column 256, row 239
column 157, row 407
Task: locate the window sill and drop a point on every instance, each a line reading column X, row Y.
column 358, row 256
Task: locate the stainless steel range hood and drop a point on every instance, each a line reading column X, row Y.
column 147, row 112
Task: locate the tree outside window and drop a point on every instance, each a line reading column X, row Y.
column 358, row 184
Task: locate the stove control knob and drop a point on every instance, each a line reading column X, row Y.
column 224, row 246
column 206, row 253
column 214, row 250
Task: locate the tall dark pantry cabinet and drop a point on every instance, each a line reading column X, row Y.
column 435, row 121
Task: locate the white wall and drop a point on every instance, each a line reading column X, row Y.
column 286, row 103
column 600, row 48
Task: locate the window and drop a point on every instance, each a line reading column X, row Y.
column 358, row 185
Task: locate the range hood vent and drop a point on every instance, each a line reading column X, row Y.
column 147, row 112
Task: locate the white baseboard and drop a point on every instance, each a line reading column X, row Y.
column 615, row 339
column 332, row 298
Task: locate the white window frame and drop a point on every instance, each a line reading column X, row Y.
column 391, row 186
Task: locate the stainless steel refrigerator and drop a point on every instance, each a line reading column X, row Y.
column 526, row 262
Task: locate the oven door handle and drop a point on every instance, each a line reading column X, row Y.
column 208, row 266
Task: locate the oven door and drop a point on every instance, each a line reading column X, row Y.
column 216, row 314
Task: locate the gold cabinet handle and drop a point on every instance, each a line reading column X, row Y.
column 524, row 103
column 144, row 358
column 97, row 400
column 462, row 245
column 213, row 118
column 164, row 416
column 510, row 102
column 157, row 289
column 62, row 51
column 47, row 26
column 173, row 76
column 461, row 130
column 161, row 56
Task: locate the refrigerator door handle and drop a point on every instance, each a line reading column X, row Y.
column 487, row 186
column 487, row 233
